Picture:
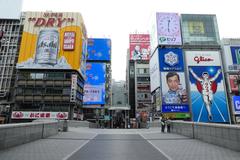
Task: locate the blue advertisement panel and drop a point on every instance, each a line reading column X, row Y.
column 236, row 104
column 99, row 49
column 94, row 88
column 171, row 59
column 235, row 55
column 173, row 84
column 206, row 85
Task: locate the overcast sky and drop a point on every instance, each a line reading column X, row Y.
column 117, row 19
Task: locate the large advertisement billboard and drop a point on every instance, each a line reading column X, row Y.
column 154, row 72
column 199, row 29
column 168, row 29
column 173, row 84
column 52, row 41
column 207, row 91
column 94, row 88
column 139, row 46
column 99, row 49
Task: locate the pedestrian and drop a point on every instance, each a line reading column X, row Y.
column 163, row 124
column 168, row 123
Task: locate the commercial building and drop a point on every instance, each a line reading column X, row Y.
column 97, row 89
column 51, row 66
column 231, row 61
column 119, row 96
column 188, row 50
column 11, row 27
column 138, row 76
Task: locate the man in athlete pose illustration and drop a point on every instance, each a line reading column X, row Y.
column 207, row 92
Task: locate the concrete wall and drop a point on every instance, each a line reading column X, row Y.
column 16, row 134
column 73, row 123
column 224, row 135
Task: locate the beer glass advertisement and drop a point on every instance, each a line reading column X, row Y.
column 99, row 49
column 139, row 46
column 52, row 41
column 94, row 88
column 207, row 87
column 168, row 29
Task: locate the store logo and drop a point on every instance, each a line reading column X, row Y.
column 171, row 58
column 162, row 39
column 199, row 59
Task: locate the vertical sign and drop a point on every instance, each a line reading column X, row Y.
column 174, row 95
column 236, row 104
column 69, row 41
column 168, row 29
column 206, row 85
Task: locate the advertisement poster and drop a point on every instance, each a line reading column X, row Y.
column 168, row 29
column 208, row 97
column 94, row 88
column 52, row 41
column 173, row 85
column 234, row 87
column 235, row 55
column 139, row 46
column 99, row 49
column 39, row 115
column 236, row 104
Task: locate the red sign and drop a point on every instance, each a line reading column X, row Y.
column 139, row 46
column 199, row 59
column 69, row 41
column 232, row 81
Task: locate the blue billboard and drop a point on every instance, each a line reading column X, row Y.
column 235, row 55
column 173, row 84
column 171, row 59
column 236, row 104
column 99, row 49
column 94, row 88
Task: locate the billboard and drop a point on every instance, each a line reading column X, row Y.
column 199, row 29
column 94, row 88
column 233, row 83
column 39, row 115
column 236, row 104
column 52, row 41
column 232, row 57
column 139, row 46
column 99, row 49
column 173, row 85
column 206, row 85
column 154, row 72
column 168, row 29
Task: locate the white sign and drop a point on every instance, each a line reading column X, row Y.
column 203, row 58
column 39, row 115
column 73, row 88
column 168, row 29
column 154, row 72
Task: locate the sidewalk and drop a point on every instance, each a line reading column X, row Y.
column 61, row 146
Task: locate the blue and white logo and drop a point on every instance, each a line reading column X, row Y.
column 171, row 58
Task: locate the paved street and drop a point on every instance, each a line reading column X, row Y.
column 116, row 144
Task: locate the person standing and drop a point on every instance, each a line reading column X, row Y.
column 163, row 124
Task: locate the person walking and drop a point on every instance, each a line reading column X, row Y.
column 163, row 124
column 168, row 123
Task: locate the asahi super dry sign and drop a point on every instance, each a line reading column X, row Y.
column 52, row 41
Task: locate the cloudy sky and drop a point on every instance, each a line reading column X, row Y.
column 116, row 19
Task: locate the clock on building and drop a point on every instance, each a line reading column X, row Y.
column 169, row 25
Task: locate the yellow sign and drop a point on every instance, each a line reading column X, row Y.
column 196, row 28
column 52, row 41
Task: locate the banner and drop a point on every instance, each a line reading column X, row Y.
column 206, row 85
column 139, row 46
column 168, row 29
column 39, row 115
column 236, row 104
column 99, row 49
column 94, row 88
column 173, row 85
column 52, row 41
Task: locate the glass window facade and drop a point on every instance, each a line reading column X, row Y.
column 199, row 29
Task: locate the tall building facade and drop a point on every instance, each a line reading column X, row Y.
column 51, row 66
column 188, row 56
column 97, row 90
column 11, row 27
column 138, row 76
column 119, row 93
